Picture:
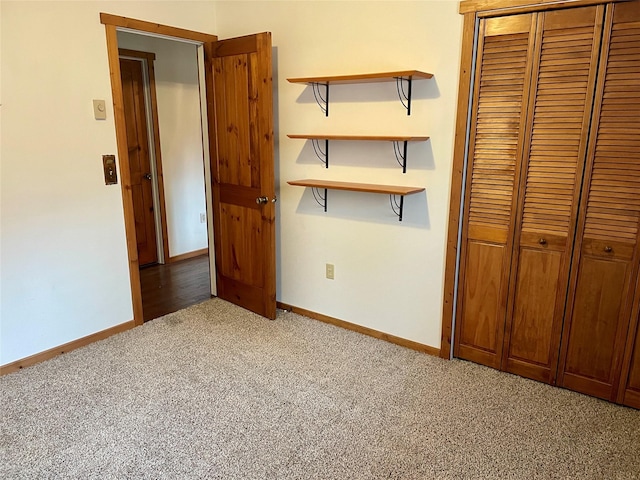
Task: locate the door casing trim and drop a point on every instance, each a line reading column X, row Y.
column 112, row 24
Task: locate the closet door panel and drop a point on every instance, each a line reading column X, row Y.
column 491, row 188
column 565, row 69
column 597, row 327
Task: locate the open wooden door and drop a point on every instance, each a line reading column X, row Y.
column 240, row 113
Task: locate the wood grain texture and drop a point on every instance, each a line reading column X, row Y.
column 357, row 187
column 420, row 347
column 387, row 138
column 363, row 77
column 150, row 27
column 66, row 348
column 465, row 84
column 606, row 254
column 242, row 164
column 150, row 58
column 561, row 95
column 174, row 286
column 131, row 72
column 495, row 145
column 125, row 177
column 506, row 7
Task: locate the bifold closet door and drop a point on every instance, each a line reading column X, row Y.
column 496, row 139
column 598, row 327
column 565, row 64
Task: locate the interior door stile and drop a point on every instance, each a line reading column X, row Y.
column 545, row 232
column 487, row 231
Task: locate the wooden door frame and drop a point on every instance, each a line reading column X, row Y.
column 147, row 59
column 112, row 23
column 473, row 11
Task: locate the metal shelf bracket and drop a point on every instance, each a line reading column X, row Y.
column 323, row 156
column 405, row 96
column 397, row 206
column 321, row 200
column 323, row 102
column 401, row 156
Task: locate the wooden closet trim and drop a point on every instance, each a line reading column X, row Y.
column 472, row 11
column 493, row 8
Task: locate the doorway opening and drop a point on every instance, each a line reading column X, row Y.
column 168, row 169
column 236, row 108
column 161, row 93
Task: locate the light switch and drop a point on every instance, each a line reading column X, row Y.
column 99, row 110
column 109, row 165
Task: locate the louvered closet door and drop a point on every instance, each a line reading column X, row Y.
column 564, row 75
column 491, row 189
column 597, row 326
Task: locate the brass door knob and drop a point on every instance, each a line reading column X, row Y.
column 262, row 200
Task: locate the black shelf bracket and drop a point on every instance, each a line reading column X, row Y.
column 401, row 156
column 397, row 206
column 405, row 96
column 322, row 201
column 323, row 156
column 323, row 102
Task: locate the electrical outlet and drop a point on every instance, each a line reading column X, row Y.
column 330, row 271
column 203, row 218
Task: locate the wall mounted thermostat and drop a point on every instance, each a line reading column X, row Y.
column 109, row 165
column 99, row 110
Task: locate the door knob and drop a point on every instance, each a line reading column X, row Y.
column 542, row 241
column 262, row 200
column 147, row 176
column 608, row 249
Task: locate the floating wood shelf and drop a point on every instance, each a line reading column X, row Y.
column 400, row 77
column 363, row 77
column 392, row 190
column 400, row 153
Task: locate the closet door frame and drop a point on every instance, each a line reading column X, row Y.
column 473, row 10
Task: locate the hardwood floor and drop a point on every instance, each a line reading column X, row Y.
column 174, row 286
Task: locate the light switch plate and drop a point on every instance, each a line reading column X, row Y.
column 109, row 165
column 99, row 110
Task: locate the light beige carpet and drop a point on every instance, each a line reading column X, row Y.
column 216, row 392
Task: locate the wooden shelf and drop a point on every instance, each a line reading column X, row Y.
column 363, row 77
column 400, row 77
column 400, row 153
column 357, row 187
column 382, row 138
column 393, row 190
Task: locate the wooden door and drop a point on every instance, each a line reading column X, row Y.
column 564, row 75
column 596, row 328
column 240, row 112
column 139, row 161
column 500, row 105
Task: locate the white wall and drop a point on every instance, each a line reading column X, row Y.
column 178, row 93
column 388, row 275
column 63, row 261
column 63, row 269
